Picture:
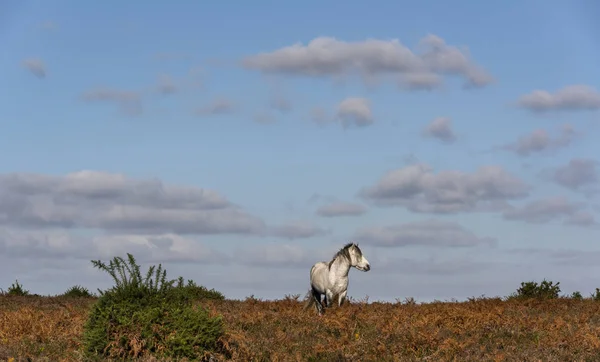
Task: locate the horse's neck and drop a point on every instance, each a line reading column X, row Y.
column 341, row 267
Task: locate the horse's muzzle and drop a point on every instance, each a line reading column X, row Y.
column 367, row 268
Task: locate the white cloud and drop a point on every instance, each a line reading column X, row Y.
column 63, row 244
column 430, row 233
column 577, row 174
column 441, row 128
column 217, row 106
column 163, row 248
column 539, row 141
column 281, row 104
column 276, row 255
column 297, row 229
column 335, row 209
column 319, row 116
column 581, row 218
column 355, row 111
column 432, row 266
column 420, row 81
column 572, row 97
column 417, row 188
column 330, row 57
column 264, row 117
column 166, row 85
column 551, row 209
column 129, row 102
column 99, row 200
column 35, row 66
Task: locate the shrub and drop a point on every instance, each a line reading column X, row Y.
column 17, row 289
column 147, row 316
column 544, row 290
column 577, row 295
column 78, row 291
column 596, row 295
column 195, row 291
column 406, row 301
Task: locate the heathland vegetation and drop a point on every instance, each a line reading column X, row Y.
column 148, row 317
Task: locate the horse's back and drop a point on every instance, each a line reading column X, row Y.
column 318, row 274
column 318, row 267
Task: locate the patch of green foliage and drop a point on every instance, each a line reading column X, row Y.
column 195, row 291
column 596, row 296
column 149, row 315
column 77, row 291
column 16, row 289
column 533, row 290
column 577, row 295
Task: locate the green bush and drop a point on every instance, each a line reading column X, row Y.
column 77, row 291
column 195, row 291
column 16, row 289
column 596, row 296
column 533, row 290
column 577, row 295
column 147, row 316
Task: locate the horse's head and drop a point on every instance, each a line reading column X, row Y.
column 357, row 259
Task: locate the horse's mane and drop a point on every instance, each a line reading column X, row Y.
column 344, row 253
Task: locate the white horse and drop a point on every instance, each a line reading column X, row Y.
column 331, row 279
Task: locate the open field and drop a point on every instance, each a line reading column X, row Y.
column 564, row 329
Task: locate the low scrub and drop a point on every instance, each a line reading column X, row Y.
column 148, row 316
column 15, row 289
column 195, row 291
column 533, row 290
column 77, row 291
column 577, row 295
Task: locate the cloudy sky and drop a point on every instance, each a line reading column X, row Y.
column 238, row 145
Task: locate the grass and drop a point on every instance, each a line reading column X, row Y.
column 559, row 329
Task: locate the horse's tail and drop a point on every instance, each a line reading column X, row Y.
column 310, row 300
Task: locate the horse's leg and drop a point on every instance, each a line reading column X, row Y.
column 342, row 297
column 322, row 303
column 329, row 297
column 317, row 296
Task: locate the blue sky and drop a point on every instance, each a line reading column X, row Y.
column 179, row 93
